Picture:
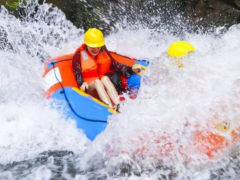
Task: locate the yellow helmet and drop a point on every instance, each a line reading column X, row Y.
column 180, row 48
column 94, row 38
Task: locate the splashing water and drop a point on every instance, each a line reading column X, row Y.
column 28, row 125
column 153, row 137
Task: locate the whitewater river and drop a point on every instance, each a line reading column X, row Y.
column 152, row 136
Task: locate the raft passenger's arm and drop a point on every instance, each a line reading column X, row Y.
column 77, row 69
column 118, row 67
column 121, row 68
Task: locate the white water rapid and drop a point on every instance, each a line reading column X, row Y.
column 152, row 136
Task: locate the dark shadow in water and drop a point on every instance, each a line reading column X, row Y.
column 65, row 165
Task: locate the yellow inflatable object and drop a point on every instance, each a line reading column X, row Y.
column 180, row 48
column 94, row 38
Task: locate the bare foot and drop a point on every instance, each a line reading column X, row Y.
column 116, row 107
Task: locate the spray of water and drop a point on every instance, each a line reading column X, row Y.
column 153, row 136
column 174, row 104
column 28, row 124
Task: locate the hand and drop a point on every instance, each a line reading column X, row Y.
column 84, row 86
column 137, row 68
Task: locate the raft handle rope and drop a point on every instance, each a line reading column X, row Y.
column 69, row 104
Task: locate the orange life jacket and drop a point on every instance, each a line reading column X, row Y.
column 93, row 68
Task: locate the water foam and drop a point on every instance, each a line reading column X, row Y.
column 28, row 123
column 172, row 102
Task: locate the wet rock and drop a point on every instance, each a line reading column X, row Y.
column 85, row 14
column 237, row 3
column 174, row 15
column 212, row 13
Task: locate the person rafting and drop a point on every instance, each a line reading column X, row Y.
column 97, row 72
column 179, row 49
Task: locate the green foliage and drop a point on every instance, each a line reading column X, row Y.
column 11, row 4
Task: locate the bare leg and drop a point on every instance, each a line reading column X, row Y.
column 98, row 86
column 111, row 90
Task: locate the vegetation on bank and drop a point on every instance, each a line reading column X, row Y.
column 10, row 4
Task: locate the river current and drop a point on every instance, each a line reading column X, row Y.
column 37, row 142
